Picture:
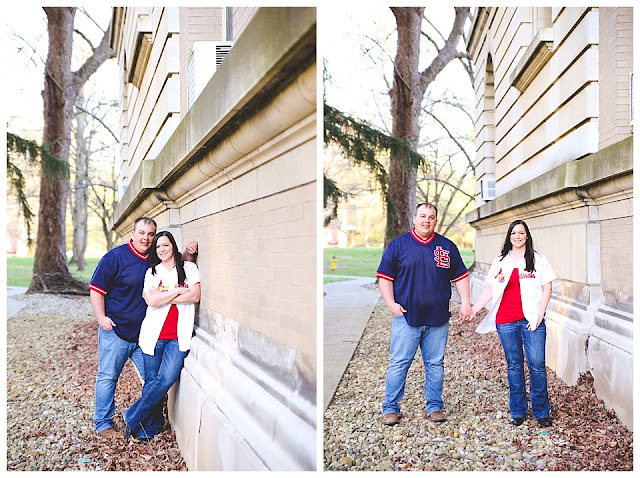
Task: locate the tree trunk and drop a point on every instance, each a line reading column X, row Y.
column 79, row 210
column 50, row 264
column 61, row 86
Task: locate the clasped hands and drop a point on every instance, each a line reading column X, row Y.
column 466, row 313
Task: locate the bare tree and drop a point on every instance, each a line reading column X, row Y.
column 61, row 88
column 94, row 141
column 79, row 191
column 409, row 88
column 442, row 179
column 104, row 197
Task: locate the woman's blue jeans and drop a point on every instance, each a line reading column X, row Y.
column 162, row 369
column 514, row 337
column 405, row 340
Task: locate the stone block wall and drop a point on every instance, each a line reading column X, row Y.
column 616, row 63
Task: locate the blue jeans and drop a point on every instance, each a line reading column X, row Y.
column 514, row 336
column 113, row 353
column 405, row 340
column 162, row 369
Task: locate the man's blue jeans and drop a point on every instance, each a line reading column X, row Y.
column 162, row 369
column 113, row 353
column 405, row 340
column 514, row 336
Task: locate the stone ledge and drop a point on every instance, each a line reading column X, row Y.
column 569, row 178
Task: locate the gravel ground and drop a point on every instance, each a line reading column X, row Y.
column 477, row 435
column 52, row 358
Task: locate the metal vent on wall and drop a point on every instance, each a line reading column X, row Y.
column 204, row 60
column 487, row 189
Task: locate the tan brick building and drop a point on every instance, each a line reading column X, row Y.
column 554, row 147
column 224, row 152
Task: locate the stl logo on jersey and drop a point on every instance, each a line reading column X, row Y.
column 442, row 257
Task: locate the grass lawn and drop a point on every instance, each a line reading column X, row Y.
column 363, row 261
column 352, row 261
column 20, row 270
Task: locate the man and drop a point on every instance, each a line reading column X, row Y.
column 116, row 299
column 415, row 276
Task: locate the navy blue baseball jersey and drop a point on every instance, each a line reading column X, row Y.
column 120, row 277
column 422, row 272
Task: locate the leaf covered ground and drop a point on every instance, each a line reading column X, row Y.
column 477, row 435
column 52, row 357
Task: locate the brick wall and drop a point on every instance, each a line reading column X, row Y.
column 616, row 237
column 615, row 63
column 257, row 264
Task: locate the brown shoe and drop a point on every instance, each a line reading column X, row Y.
column 436, row 416
column 108, row 433
column 391, row 418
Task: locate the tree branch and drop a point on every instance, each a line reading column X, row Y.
column 448, row 184
column 449, row 50
column 102, row 53
column 99, row 121
column 84, row 37
column 453, row 138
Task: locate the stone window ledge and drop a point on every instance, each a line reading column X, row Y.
column 534, row 59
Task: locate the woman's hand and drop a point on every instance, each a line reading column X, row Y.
column 540, row 319
column 188, row 295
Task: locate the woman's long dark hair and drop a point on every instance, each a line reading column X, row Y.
column 528, row 253
column 154, row 260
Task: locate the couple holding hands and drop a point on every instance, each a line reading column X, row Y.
column 415, row 276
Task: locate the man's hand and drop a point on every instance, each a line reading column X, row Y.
column 396, row 309
column 192, row 247
column 105, row 323
column 466, row 313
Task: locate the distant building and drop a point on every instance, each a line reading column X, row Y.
column 218, row 132
column 554, row 144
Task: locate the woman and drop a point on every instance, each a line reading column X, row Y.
column 519, row 282
column 171, row 288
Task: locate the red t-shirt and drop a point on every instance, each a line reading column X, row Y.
column 170, row 328
column 510, row 309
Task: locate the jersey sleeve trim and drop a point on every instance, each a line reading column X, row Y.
column 99, row 290
column 380, row 275
column 462, row 276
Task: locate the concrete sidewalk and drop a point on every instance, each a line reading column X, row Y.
column 347, row 308
column 13, row 305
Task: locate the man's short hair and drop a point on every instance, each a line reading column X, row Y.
column 145, row 220
column 428, row 205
